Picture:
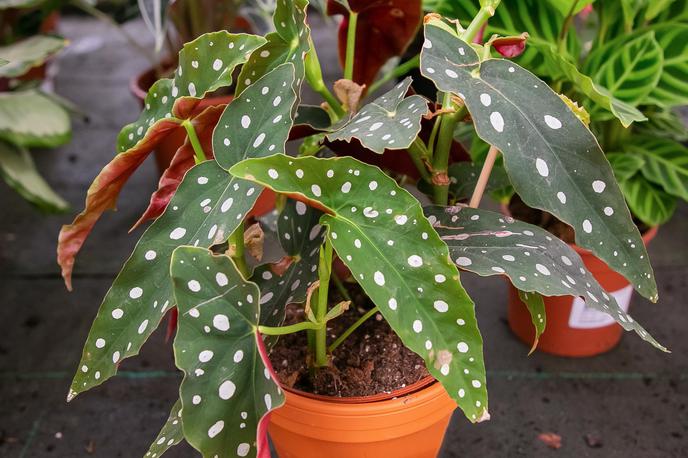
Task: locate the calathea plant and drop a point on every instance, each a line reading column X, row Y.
column 405, row 257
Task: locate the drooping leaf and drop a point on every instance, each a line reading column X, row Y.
column 31, row 119
column 228, row 388
column 390, row 122
column 206, row 209
column 625, row 165
column 170, row 435
column 384, row 30
column 257, row 122
column 19, row 172
column 289, row 43
column 379, row 231
column 489, row 243
column 536, row 307
column 666, row 163
column 464, row 177
column 553, row 161
column 31, row 52
column 647, row 201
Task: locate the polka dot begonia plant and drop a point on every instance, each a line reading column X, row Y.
column 405, row 257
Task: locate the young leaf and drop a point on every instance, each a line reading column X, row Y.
column 552, row 159
column 207, row 208
column 228, row 388
column 33, row 120
column 23, row 55
column 648, row 202
column 258, row 121
column 489, row 243
column 289, row 43
column 625, row 165
column 19, row 172
column 379, row 231
column 383, row 30
column 666, row 163
column 390, row 122
column 171, row 433
column 536, row 307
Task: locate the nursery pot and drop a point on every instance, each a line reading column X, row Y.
column 408, row 423
column 572, row 328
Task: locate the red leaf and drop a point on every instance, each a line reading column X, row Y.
column 384, row 30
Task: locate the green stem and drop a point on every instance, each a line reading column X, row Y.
column 485, row 13
column 292, row 328
column 342, row 290
column 396, row 72
column 195, row 143
column 440, row 158
column 433, row 135
column 350, row 46
column 237, row 241
column 320, row 310
column 351, row 329
column 316, row 82
column 419, row 153
column 565, row 28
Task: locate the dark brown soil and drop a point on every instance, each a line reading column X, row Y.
column 549, row 222
column 370, row 361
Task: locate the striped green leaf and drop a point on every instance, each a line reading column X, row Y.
column 648, row 202
column 666, row 163
column 625, row 165
column 379, row 231
column 553, row 161
column 228, row 387
column 672, row 88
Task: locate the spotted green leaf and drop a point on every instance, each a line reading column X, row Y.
column 536, row 307
column 552, row 159
column 488, row 243
column 206, row 209
column 648, row 201
column 390, row 122
column 23, row 55
column 228, row 387
column 666, row 163
column 464, row 177
column 170, row 435
column 379, row 231
column 258, row 121
column 313, row 116
column 625, row 165
column 32, row 119
column 289, row 43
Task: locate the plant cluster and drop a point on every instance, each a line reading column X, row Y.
column 406, row 257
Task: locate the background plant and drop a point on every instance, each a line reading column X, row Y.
column 404, row 256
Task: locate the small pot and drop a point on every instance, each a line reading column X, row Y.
column 408, row 423
column 573, row 329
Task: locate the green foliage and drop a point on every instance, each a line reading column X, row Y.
column 26, row 54
column 171, row 433
column 651, row 204
column 536, row 307
column 31, row 119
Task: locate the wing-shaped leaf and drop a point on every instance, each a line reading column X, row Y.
column 228, row 387
column 489, row 243
column 384, row 29
column 289, row 43
column 648, row 202
column 31, row 52
column 207, row 208
column 171, row 433
column 536, row 307
column 390, row 122
column 258, row 121
column 31, row 119
column 379, row 231
column 19, row 172
column 625, row 165
column 666, row 163
column 552, row 159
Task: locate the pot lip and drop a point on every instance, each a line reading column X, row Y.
column 420, row 385
column 647, row 236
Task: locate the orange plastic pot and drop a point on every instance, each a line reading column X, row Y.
column 573, row 329
column 408, row 423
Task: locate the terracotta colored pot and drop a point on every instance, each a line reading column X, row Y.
column 573, row 329
column 408, row 423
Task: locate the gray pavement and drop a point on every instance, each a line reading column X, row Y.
column 632, row 401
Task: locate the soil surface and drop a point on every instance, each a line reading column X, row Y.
column 372, row 360
column 549, row 222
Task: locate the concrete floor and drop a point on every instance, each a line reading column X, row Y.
column 632, row 400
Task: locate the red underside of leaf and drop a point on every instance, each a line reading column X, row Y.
column 384, row 29
column 510, row 46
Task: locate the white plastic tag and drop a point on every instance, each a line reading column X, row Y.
column 584, row 317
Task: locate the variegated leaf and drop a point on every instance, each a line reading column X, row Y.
column 536, row 307
column 379, row 231
column 31, row 119
column 489, row 243
column 170, row 435
column 228, row 387
column 23, row 55
column 625, row 165
column 672, row 88
column 554, row 162
column 665, row 163
column 390, row 122
column 649, row 203
column 206, row 209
